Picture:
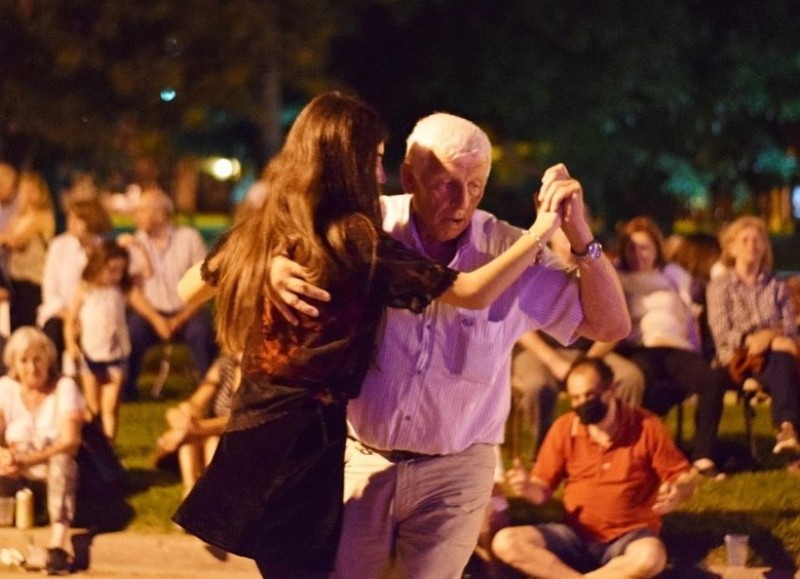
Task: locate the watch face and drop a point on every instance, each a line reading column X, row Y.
column 594, row 250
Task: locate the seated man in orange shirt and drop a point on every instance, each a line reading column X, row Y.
column 622, row 473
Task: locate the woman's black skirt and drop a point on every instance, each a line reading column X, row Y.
column 273, row 491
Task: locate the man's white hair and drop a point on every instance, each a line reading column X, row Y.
column 448, row 137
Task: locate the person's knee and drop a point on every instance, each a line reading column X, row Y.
column 531, row 387
column 646, row 557
column 504, row 543
column 784, row 344
column 62, row 471
column 510, row 544
column 630, row 390
column 630, row 379
column 62, row 462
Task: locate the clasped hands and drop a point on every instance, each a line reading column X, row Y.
column 560, row 199
column 10, row 463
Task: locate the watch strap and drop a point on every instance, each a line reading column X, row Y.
column 585, row 252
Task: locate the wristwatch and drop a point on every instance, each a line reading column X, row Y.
column 593, row 251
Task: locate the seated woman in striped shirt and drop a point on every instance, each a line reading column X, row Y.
column 753, row 319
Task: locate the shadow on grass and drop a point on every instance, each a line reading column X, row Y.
column 103, row 515
column 690, row 537
column 113, row 513
column 141, row 479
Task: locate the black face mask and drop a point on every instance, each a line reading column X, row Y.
column 592, row 411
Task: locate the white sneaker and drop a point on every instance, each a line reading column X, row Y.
column 786, row 439
column 751, row 385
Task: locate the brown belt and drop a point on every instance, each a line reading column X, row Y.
column 396, row 455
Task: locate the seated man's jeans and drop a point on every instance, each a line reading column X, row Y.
column 585, row 556
column 197, row 333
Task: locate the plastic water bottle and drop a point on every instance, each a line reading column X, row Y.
column 24, row 514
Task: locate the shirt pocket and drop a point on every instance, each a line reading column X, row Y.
column 472, row 346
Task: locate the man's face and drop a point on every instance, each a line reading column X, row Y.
column 149, row 214
column 8, row 178
column 584, row 383
column 445, row 194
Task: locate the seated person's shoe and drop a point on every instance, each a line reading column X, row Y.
column 786, row 439
column 754, row 392
column 58, row 562
column 705, row 467
column 752, row 386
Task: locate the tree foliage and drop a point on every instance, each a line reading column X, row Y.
column 657, row 105
column 98, row 75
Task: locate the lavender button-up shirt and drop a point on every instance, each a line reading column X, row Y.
column 441, row 379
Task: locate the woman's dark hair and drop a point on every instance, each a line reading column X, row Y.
column 91, row 211
column 324, row 174
column 640, row 224
column 697, row 253
column 100, row 256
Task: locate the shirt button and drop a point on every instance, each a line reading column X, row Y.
column 606, row 465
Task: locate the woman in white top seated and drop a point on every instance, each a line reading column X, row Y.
column 41, row 415
column 664, row 340
column 67, row 255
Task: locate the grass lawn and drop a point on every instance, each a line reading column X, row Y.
column 764, row 503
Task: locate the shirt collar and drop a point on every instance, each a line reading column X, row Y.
column 464, row 240
column 147, row 238
column 594, row 433
column 761, row 279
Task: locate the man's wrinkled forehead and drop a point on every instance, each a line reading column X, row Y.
column 427, row 161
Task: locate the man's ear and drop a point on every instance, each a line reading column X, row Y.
column 407, row 178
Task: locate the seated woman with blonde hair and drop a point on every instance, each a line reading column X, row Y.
column 41, row 415
column 754, row 324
